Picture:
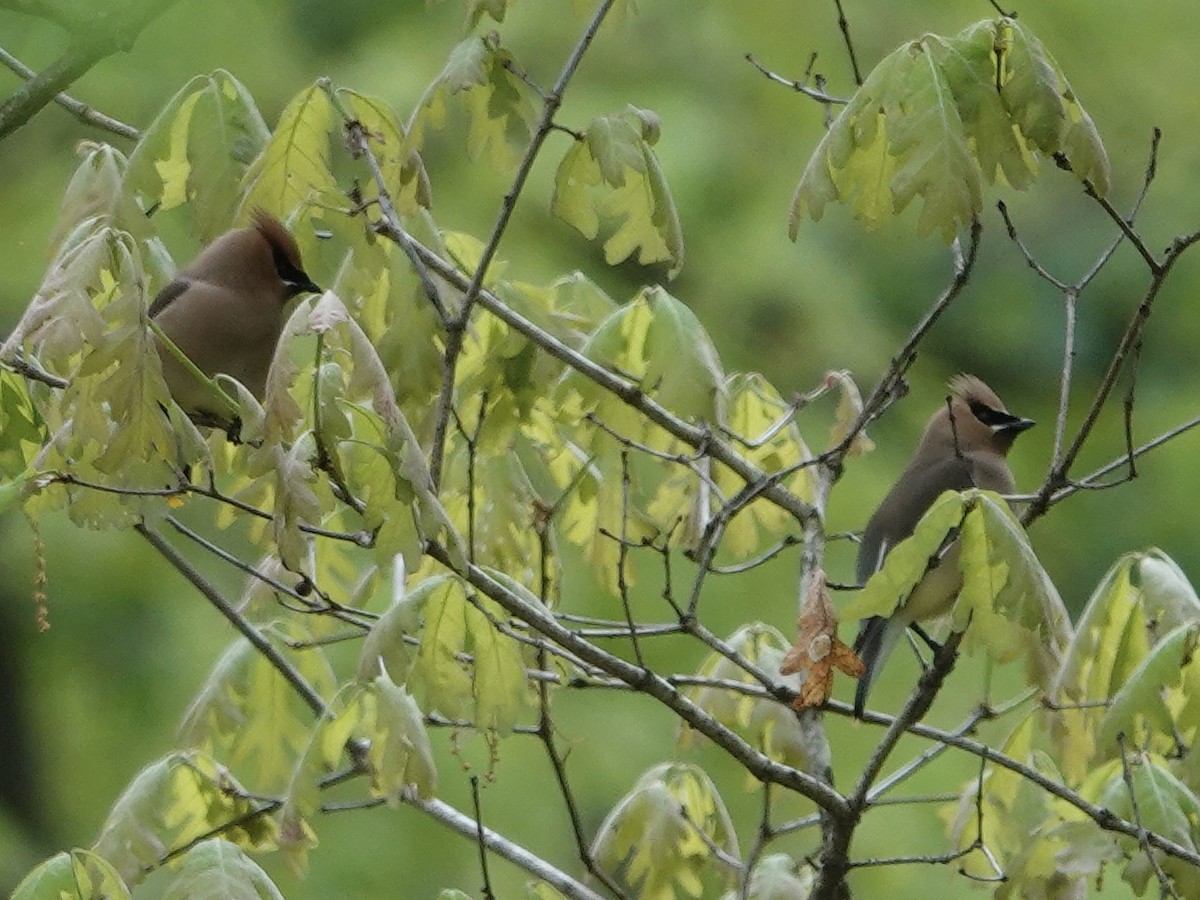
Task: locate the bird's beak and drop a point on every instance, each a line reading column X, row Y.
column 1014, row 425
column 305, row 286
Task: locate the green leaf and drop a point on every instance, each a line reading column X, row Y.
column 907, row 562
column 969, row 61
column 197, row 151
column 1013, row 812
column 499, row 105
column 172, row 802
column 294, row 169
column 1012, row 606
column 767, row 724
column 400, row 754
column 778, row 877
column 1165, row 806
column 97, row 193
column 218, row 870
column 1044, row 107
column 1141, row 711
column 611, row 182
column 663, row 831
column 78, row 875
column 494, row 683
column 936, row 118
column 752, row 411
column 1142, row 597
column 250, row 718
column 658, row 342
column 403, row 170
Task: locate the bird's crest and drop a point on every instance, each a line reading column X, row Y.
column 283, row 245
column 970, row 390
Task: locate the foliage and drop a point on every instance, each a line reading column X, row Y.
column 434, row 429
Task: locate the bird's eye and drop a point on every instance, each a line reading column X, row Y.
column 997, row 419
column 987, row 415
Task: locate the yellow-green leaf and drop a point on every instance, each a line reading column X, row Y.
column 499, row 105
column 78, row 875
column 218, row 869
column 198, row 149
column 907, row 562
column 171, row 802
column 664, row 830
column 611, row 181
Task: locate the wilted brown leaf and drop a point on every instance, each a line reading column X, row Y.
column 817, row 651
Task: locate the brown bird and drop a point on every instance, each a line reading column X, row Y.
column 964, row 445
column 224, row 310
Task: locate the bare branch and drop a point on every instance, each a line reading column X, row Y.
column 844, row 27
column 80, row 110
column 92, row 41
column 800, row 87
column 289, row 672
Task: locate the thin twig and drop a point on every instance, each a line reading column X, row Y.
column 457, row 328
column 289, row 672
column 1166, row 889
column 479, row 840
column 80, row 110
column 800, row 87
column 844, row 27
column 91, row 42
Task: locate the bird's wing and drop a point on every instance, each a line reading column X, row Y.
column 902, row 508
column 164, row 297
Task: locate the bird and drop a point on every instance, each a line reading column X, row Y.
column 964, row 445
column 224, row 311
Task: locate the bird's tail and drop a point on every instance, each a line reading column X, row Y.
column 876, row 638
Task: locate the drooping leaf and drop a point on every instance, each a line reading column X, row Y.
column 398, row 753
column 97, row 192
column 492, row 686
column 1044, row 107
column 1141, row 711
column 403, row 170
column 78, row 875
column 500, row 108
column 218, row 870
column 1007, row 598
column 610, row 182
column 662, row 832
column 939, row 116
column 752, row 411
column 1165, row 806
column 250, row 718
column 1013, row 812
column 197, row 151
column 294, row 168
column 907, row 562
column 656, row 340
column 768, row 724
column 171, row 802
column 1142, row 598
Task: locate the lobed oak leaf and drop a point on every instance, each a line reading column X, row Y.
column 818, row 651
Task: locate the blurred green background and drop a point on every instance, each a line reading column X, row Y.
column 86, row 705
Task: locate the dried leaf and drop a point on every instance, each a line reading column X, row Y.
column 817, row 651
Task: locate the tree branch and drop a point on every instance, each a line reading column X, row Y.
column 92, row 40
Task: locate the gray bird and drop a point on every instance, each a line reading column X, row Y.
column 224, row 310
column 964, row 445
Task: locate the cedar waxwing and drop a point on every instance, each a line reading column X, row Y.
column 964, row 446
column 224, row 310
